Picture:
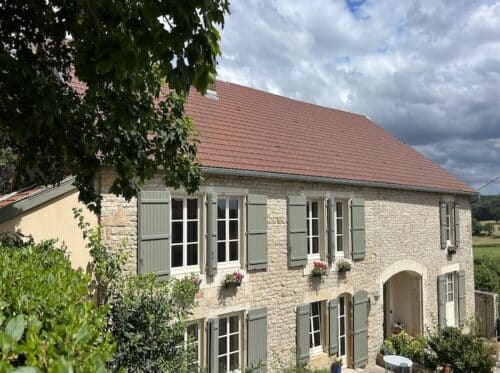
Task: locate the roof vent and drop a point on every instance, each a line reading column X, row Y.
column 212, row 92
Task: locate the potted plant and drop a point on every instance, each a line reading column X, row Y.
column 343, row 266
column 232, row 280
column 452, row 249
column 319, row 269
column 195, row 279
column 336, row 366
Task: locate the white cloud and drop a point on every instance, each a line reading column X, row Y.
column 428, row 71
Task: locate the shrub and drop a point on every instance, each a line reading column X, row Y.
column 487, row 274
column 148, row 319
column 46, row 318
column 414, row 348
column 465, row 352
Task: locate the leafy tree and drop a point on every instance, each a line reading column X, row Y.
column 46, row 318
column 487, row 274
column 476, row 227
column 123, row 52
column 488, row 228
column 486, row 208
column 148, row 320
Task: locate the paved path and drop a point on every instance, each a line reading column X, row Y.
column 372, row 369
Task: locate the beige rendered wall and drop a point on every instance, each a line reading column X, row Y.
column 402, row 234
column 54, row 219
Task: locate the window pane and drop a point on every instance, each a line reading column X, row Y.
column 315, row 227
column 221, row 230
column 315, row 248
column 233, row 208
column 234, row 361
column 221, row 208
column 233, row 229
column 222, row 326
column 192, row 331
column 311, row 341
column 222, row 345
column 234, row 342
column 342, row 326
column 177, row 232
column 308, row 228
column 192, row 254
column 192, row 231
column 316, row 323
column 233, row 324
column 176, row 208
column 340, row 243
column 222, row 364
column 176, row 255
column 192, row 208
column 340, row 227
column 221, row 252
column 317, row 339
column 315, row 308
column 339, row 209
column 233, row 250
column 342, row 346
column 308, row 209
column 341, row 306
column 314, row 208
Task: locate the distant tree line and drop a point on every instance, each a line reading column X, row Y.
column 486, row 208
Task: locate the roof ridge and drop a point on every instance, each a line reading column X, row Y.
column 301, row 101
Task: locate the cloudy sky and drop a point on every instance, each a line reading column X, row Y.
column 427, row 71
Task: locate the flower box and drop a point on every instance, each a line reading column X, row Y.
column 319, row 269
column 233, row 280
column 343, row 266
column 452, row 249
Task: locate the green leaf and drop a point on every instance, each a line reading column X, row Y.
column 27, row 370
column 15, row 327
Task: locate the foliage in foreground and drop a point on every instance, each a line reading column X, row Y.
column 123, row 53
column 47, row 321
column 148, row 320
column 465, row 352
column 487, row 274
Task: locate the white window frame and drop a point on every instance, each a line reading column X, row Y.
column 186, row 268
column 309, row 221
column 230, row 263
column 342, row 318
column 315, row 349
column 451, row 293
column 228, row 335
column 346, row 224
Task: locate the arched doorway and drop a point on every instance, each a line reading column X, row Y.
column 403, row 303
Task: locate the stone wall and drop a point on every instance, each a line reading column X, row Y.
column 402, row 233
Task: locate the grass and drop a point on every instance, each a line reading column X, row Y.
column 487, row 245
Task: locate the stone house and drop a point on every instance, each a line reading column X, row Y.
column 288, row 184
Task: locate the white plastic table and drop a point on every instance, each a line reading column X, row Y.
column 396, row 361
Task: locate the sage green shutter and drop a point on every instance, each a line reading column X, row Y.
column 213, row 345
column 461, row 298
column 456, row 215
column 333, row 314
column 360, row 329
column 441, row 288
column 257, row 339
column 442, row 223
column 211, row 255
column 297, row 231
column 302, row 337
column 256, row 231
column 358, row 228
column 331, row 229
column 154, row 233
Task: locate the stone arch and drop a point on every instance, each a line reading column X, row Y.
column 409, row 275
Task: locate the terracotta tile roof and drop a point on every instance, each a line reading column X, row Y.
column 10, row 198
column 247, row 129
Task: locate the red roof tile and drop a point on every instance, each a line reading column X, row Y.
column 10, row 198
column 247, row 129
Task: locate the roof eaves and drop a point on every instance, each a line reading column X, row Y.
column 328, row 180
column 34, row 200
